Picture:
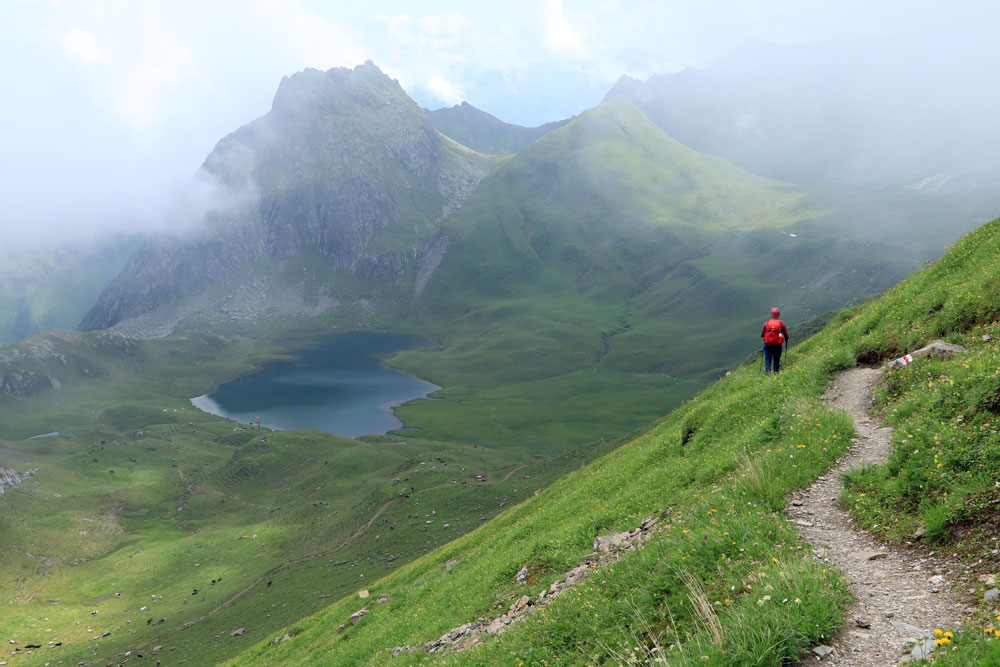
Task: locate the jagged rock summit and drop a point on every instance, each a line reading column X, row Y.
column 345, row 167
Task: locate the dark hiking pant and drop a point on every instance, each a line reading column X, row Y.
column 772, row 358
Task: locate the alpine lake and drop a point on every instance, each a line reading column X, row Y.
column 336, row 384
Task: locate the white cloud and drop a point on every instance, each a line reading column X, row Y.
column 301, row 35
column 80, row 45
column 448, row 92
column 434, row 32
column 560, row 36
column 140, row 56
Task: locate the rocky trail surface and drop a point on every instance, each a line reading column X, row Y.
column 899, row 597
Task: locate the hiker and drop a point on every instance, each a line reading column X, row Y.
column 775, row 334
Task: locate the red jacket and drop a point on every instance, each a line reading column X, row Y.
column 784, row 330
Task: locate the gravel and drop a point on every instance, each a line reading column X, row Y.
column 893, row 593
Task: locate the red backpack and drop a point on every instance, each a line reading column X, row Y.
column 772, row 333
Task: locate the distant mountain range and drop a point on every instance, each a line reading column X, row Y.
column 835, row 114
column 602, row 243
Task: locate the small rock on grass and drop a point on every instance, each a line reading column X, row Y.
column 822, row 651
column 992, row 595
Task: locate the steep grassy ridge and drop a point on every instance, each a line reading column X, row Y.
column 718, row 469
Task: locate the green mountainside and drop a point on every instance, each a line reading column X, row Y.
column 485, row 133
column 586, row 280
column 724, row 579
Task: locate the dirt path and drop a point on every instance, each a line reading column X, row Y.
column 898, row 597
column 520, row 467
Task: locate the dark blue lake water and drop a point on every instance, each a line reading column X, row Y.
column 336, row 384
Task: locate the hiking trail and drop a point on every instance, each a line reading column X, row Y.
column 900, row 596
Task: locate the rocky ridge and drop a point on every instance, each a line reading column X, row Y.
column 345, row 168
column 8, row 479
column 608, row 548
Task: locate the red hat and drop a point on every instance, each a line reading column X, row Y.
column 775, row 312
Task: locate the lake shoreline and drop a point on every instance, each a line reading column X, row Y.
column 337, row 383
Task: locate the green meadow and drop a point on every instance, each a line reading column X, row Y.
column 163, row 526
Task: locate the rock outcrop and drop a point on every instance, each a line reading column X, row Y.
column 8, row 479
column 607, row 549
column 937, row 348
column 345, row 168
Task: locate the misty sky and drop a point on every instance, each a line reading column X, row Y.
column 111, row 105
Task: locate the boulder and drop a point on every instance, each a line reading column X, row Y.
column 612, row 542
column 938, row 348
column 238, row 633
column 520, row 604
column 576, row 574
column 497, row 626
column 358, row 615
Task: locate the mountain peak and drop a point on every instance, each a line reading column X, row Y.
column 627, row 86
column 311, row 88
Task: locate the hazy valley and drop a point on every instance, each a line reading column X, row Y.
column 572, row 284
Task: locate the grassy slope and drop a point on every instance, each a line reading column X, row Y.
column 607, row 272
column 753, row 441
